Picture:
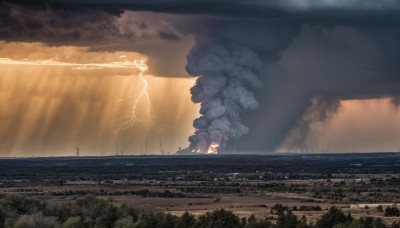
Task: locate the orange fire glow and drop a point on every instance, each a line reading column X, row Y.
column 213, row 149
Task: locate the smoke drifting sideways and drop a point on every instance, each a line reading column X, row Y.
column 304, row 71
column 323, row 66
column 228, row 65
column 236, row 42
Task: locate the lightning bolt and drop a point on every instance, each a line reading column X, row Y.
column 126, row 121
column 143, row 93
column 132, row 118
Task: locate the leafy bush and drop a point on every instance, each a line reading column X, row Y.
column 36, row 220
column 392, row 212
column 253, row 222
column 187, row 220
column 333, row 217
column 91, row 212
column 219, row 218
column 22, row 205
column 151, row 219
column 3, row 216
column 278, row 208
column 73, row 222
column 126, row 222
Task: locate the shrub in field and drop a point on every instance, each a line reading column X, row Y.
column 36, row 220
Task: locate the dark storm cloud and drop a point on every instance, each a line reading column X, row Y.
column 89, row 22
column 349, row 50
column 243, row 7
column 321, row 67
column 83, row 26
column 100, row 28
column 325, row 10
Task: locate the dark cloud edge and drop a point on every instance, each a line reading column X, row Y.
column 227, row 9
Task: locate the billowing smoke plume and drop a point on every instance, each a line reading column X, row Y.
column 227, row 77
column 321, row 67
column 321, row 109
column 228, row 66
column 346, row 50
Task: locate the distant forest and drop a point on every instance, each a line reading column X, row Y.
column 18, row 211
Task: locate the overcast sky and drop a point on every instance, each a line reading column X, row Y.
column 272, row 75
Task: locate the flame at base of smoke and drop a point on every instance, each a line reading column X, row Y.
column 214, row 148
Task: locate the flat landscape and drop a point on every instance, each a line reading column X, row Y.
column 253, row 184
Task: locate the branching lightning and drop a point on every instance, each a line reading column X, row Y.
column 76, row 66
column 143, row 93
column 132, row 118
column 125, row 122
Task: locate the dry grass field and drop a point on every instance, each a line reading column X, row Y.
column 253, row 186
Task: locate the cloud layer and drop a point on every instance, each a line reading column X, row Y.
column 341, row 50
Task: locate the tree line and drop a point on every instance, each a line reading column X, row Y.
column 90, row 212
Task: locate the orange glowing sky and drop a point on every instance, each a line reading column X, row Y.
column 53, row 99
column 49, row 105
column 371, row 125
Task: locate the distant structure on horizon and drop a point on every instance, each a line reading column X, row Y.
column 161, row 148
column 77, row 151
column 183, row 152
column 145, row 151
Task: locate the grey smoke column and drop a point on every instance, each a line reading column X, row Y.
column 228, row 63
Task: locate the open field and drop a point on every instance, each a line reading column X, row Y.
column 250, row 184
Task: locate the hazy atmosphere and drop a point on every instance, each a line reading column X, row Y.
column 199, row 114
column 149, row 77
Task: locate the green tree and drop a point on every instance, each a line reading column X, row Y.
column 36, row 220
column 3, row 216
column 253, row 222
column 22, row 205
column 187, row 220
column 278, row 208
column 332, row 217
column 64, row 212
column 392, row 212
column 109, row 217
column 219, row 219
column 395, row 225
column 378, row 223
column 92, row 207
column 367, row 222
column 73, row 222
column 169, row 221
column 151, row 219
column 97, row 212
column 355, row 224
column 287, row 220
column 126, row 211
column 126, row 222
